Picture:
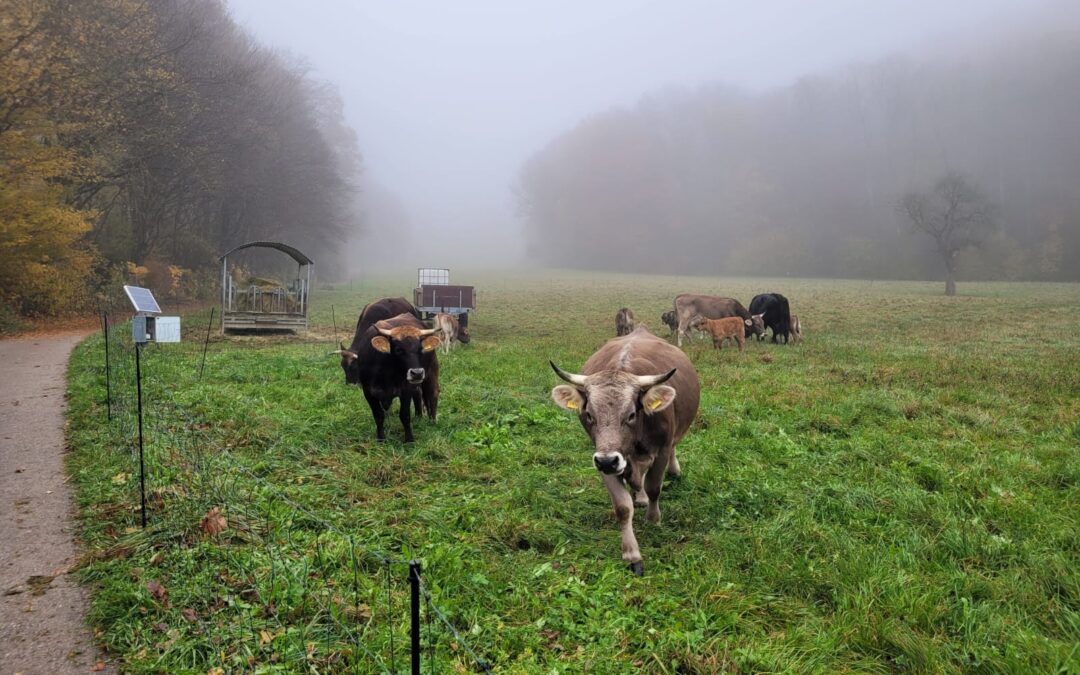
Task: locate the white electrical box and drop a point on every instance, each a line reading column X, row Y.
column 167, row 329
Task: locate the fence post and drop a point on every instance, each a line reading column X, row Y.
column 142, row 462
column 206, row 342
column 333, row 318
column 414, row 613
column 108, row 377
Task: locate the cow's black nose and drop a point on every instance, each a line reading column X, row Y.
column 606, row 463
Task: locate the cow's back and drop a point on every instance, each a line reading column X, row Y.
column 381, row 310
column 709, row 306
column 642, row 353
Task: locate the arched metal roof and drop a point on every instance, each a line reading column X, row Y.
column 284, row 248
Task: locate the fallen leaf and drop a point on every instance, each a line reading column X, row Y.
column 121, row 478
column 214, row 522
column 190, row 614
column 39, row 583
column 159, row 592
column 100, row 665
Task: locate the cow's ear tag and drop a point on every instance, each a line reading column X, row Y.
column 657, row 398
column 381, row 344
column 567, row 397
column 748, row 322
column 430, row 343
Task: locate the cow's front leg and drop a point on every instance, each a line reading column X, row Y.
column 624, row 512
column 406, row 417
column 379, row 414
column 637, row 483
column 654, row 481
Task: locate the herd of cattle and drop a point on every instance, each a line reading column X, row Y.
column 635, row 397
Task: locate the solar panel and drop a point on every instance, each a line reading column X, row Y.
column 142, row 300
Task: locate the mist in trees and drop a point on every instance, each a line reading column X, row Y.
column 153, row 136
column 805, row 179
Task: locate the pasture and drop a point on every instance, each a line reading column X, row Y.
column 899, row 492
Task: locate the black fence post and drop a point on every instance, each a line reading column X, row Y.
column 209, row 325
column 108, row 374
column 142, row 462
column 414, row 613
column 333, row 318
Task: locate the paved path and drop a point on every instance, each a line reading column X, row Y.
column 42, row 610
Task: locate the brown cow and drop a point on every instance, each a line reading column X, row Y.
column 721, row 329
column 624, row 322
column 635, row 397
column 796, row 329
column 687, row 306
column 448, row 329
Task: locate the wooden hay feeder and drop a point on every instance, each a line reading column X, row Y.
column 251, row 303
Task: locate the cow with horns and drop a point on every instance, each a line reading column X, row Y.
column 393, row 358
column 636, row 398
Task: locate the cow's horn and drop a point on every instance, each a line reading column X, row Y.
column 428, row 331
column 384, row 331
column 341, row 352
column 579, row 380
column 651, row 380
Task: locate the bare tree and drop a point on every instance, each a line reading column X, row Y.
column 955, row 213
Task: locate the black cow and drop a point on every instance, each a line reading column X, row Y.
column 669, row 320
column 393, row 358
column 777, row 314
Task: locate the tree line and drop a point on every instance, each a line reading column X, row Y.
column 146, row 138
column 823, row 177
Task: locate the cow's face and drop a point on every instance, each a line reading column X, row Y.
column 757, row 324
column 350, row 363
column 406, row 344
column 668, row 318
column 463, row 334
column 612, row 406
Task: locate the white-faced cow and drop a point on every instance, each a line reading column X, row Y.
column 687, row 306
column 635, row 397
column 450, row 330
column 393, row 358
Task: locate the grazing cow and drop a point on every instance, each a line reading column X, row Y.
column 687, row 306
column 776, row 314
column 624, row 322
column 721, row 329
column 450, row 330
column 394, row 358
column 796, row 328
column 636, row 398
column 669, row 320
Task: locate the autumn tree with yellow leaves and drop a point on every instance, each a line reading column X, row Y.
column 154, row 133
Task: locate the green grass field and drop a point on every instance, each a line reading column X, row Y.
column 900, row 492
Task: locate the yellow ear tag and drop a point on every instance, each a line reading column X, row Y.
column 571, row 404
column 653, row 405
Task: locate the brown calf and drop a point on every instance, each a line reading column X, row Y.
column 796, row 329
column 722, row 329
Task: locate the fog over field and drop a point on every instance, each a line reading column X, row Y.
column 765, row 128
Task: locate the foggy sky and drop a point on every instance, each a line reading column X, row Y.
column 449, row 98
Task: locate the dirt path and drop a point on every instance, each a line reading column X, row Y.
column 42, row 610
